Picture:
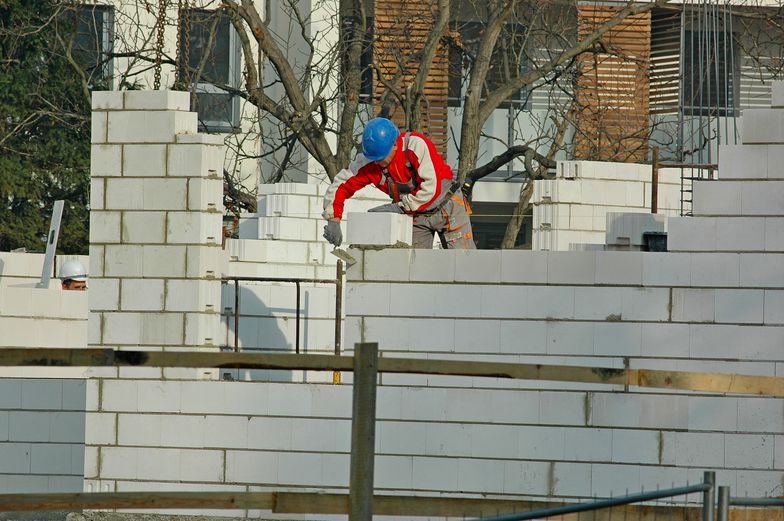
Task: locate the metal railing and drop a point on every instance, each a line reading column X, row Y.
column 707, row 488
column 725, row 502
column 337, row 281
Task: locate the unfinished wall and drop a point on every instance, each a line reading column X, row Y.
column 155, row 225
column 284, row 240
column 41, row 435
column 571, row 209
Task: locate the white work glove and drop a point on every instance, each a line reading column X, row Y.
column 389, row 207
column 332, row 233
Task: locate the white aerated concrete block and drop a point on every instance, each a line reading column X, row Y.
column 149, row 126
column 379, row 229
column 144, row 227
column 763, row 198
column 104, row 294
column 777, row 94
column 739, row 306
column 104, row 227
column 288, row 188
column 163, row 261
column 743, row 161
column 105, row 160
column 120, row 261
column 288, row 228
column 164, row 194
column 193, row 295
column 98, row 125
column 571, row 267
column 157, row 100
column 524, row 266
column 284, row 205
column 763, row 126
column 124, row 194
column 717, row 198
column 619, row 267
column 142, row 294
column 740, row 234
column 478, row 266
column 774, row 234
column 691, row 234
column 194, row 228
column 144, row 160
column 761, row 270
column 205, row 262
column 195, row 160
column 97, row 194
column 107, row 100
column 205, row 195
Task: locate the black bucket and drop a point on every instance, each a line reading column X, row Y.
column 654, row 241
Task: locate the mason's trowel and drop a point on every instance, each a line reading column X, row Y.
column 344, row 256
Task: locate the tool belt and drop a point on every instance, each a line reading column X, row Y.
column 452, row 190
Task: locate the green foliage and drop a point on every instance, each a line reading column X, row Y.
column 44, row 130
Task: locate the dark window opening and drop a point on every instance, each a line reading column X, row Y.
column 365, row 59
column 709, row 83
column 210, row 64
column 91, row 29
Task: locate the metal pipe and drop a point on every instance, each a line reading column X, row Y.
column 724, row 504
column 338, row 304
column 709, row 497
column 655, row 181
column 756, row 501
column 236, row 315
column 597, row 505
column 297, row 325
column 281, row 279
column 338, row 314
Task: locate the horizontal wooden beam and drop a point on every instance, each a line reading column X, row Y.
column 661, row 379
column 307, row 503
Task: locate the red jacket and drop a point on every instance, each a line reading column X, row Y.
column 432, row 177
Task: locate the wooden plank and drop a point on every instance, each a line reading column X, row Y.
column 335, row 504
column 684, row 380
column 136, row 500
column 363, row 432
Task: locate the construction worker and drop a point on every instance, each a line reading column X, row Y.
column 73, row 276
column 408, row 168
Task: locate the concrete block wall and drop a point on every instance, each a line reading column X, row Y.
column 284, row 240
column 672, row 311
column 572, row 209
column 155, row 224
column 42, row 427
column 33, row 317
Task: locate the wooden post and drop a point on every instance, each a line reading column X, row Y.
column 363, row 432
column 655, row 181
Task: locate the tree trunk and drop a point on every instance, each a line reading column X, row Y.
column 516, row 222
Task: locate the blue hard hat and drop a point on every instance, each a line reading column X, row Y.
column 378, row 138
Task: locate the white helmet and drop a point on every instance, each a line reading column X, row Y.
column 73, row 270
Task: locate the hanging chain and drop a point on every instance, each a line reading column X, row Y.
column 159, row 42
column 178, row 54
column 187, row 67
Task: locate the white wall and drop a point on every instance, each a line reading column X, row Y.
column 42, row 425
column 572, row 208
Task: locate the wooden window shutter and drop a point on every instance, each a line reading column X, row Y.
column 613, row 89
column 401, row 28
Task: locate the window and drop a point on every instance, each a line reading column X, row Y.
column 92, row 37
column 210, row 53
column 709, row 85
column 507, row 61
column 365, row 60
